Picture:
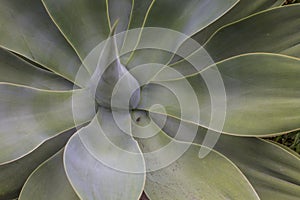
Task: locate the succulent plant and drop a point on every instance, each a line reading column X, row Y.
column 107, row 99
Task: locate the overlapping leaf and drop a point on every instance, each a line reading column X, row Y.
column 28, row 30
column 49, row 181
column 83, row 22
column 10, row 184
column 15, row 70
column 102, row 162
column 271, row 169
column 187, row 17
column 262, row 95
column 247, row 8
column 28, row 117
column 272, row 31
column 189, row 177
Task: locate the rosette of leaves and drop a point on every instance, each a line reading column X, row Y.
column 256, row 48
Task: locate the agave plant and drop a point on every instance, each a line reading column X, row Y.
column 86, row 113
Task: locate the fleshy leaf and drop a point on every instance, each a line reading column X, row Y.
column 28, row 30
column 120, row 11
column 188, row 176
column 271, row 169
column 97, row 165
column 49, row 181
column 193, row 178
column 83, row 22
column 15, row 70
column 110, row 74
column 261, row 99
column 187, row 17
column 242, row 9
column 28, row 117
column 248, row 8
column 272, row 31
column 10, row 184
